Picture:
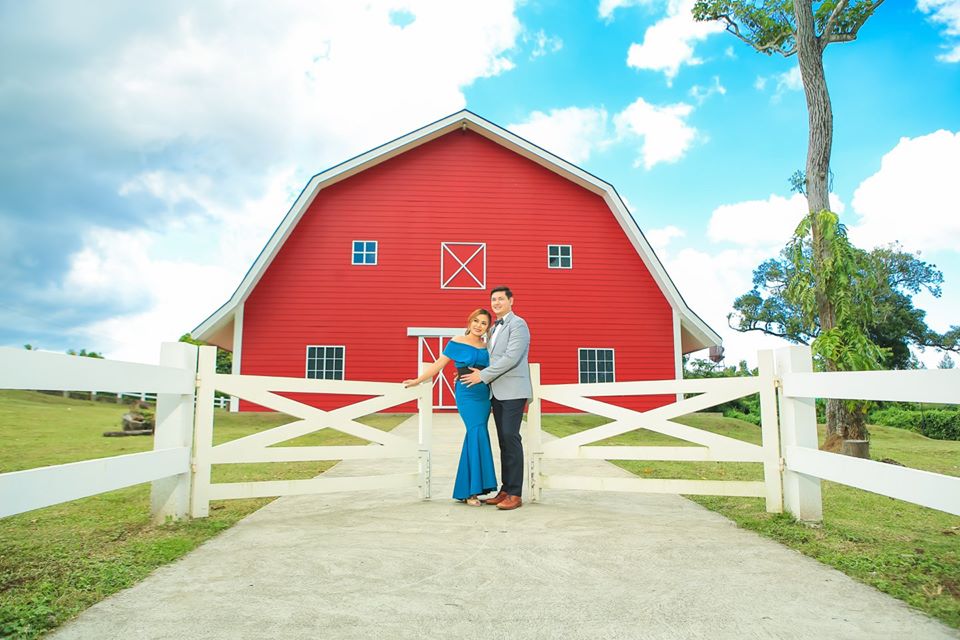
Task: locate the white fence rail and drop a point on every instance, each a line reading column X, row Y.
column 805, row 465
column 168, row 465
column 180, row 464
column 257, row 447
column 713, row 447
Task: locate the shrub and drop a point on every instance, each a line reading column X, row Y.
column 939, row 424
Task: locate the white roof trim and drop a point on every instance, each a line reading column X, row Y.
column 468, row 120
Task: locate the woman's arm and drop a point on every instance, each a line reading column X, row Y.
column 431, row 371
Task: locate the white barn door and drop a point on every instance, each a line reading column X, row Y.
column 430, row 349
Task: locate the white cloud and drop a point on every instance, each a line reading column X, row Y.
column 700, row 94
column 946, row 13
column 665, row 132
column 668, row 44
column 660, row 239
column 710, row 282
column 230, row 113
column 913, row 197
column 783, row 82
column 761, row 223
column 544, row 44
column 572, row 133
column 607, row 7
column 176, row 276
column 288, row 74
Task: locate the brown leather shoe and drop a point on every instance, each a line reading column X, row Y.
column 510, row 502
column 497, row 499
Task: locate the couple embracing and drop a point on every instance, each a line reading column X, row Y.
column 492, row 374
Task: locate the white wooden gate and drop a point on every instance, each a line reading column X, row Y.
column 257, row 447
column 714, row 447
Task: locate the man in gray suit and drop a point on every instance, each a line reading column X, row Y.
column 509, row 378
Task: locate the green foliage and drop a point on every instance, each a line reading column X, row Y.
column 83, row 353
column 938, row 424
column 835, row 276
column 946, row 362
column 224, row 357
column 770, row 26
column 746, row 409
column 881, row 285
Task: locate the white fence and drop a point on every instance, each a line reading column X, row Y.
column 179, row 465
column 168, row 465
column 793, row 466
column 257, row 447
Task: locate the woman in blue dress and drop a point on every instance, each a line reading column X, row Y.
column 475, row 474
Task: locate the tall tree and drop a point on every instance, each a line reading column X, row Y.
column 805, row 28
column 882, row 283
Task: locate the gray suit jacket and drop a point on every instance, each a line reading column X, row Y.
column 509, row 374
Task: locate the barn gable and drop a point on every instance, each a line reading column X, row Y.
column 221, row 327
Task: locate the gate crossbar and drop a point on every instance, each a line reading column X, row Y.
column 714, row 447
column 264, row 391
column 625, row 420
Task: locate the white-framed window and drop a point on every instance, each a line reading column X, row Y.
column 463, row 265
column 325, row 362
column 596, row 365
column 559, row 256
column 364, row 252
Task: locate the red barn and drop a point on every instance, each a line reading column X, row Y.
column 382, row 257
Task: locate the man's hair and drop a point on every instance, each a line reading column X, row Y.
column 506, row 290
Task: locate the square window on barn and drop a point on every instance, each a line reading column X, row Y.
column 325, row 363
column 596, row 365
column 364, row 252
column 559, row 256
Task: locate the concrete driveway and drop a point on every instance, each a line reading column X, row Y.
column 577, row 565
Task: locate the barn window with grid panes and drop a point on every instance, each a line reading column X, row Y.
column 596, row 365
column 325, row 363
column 559, row 256
column 364, row 252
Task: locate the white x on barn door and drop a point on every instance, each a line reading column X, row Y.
column 463, row 265
column 431, row 347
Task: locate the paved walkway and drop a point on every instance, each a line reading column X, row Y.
column 577, row 565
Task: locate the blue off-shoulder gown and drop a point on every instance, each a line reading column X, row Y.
column 475, row 474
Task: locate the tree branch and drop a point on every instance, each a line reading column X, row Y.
column 848, row 36
column 831, row 21
column 775, row 47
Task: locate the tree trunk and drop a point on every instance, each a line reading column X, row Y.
column 819, row 147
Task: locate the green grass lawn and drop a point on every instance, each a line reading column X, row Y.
column 57, row 561
column 907, row 551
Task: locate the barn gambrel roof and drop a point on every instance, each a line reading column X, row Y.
column 695, row 333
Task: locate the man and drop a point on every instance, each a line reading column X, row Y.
column 509, row 378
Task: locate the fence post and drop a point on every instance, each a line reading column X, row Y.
column 535, row 434
column 770, row 430
column 798, row 428
column 203, row 433
column 425, row 433
column 170, row 497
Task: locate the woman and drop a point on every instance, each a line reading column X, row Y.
column 476, row 474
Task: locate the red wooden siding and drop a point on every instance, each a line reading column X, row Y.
column 457, row 188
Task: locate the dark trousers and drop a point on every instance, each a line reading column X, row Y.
column 508, row 415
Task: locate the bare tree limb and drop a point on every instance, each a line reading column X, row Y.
column 773, row 47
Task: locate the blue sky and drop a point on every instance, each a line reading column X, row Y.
column 148, row 151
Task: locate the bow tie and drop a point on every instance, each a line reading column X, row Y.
column 498, row 323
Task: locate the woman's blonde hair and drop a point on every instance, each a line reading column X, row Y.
column 477, row 312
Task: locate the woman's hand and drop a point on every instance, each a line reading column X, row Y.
column 410, row 383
